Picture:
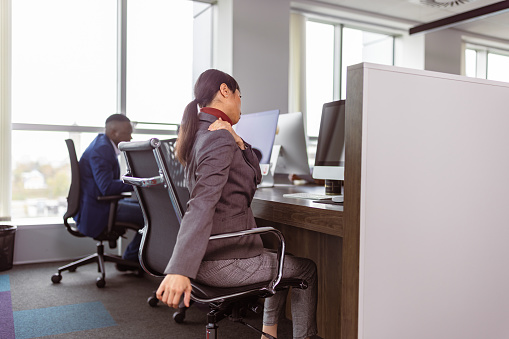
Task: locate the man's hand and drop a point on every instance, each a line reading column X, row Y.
column 171, row 288
column 220, row 124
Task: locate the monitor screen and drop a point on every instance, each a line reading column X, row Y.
column 293, row 156
column 330, row 149
column 259, row 130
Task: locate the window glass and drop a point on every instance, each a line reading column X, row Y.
column 470, row 63
column 41, row 172
column 63, row 73
column 319, row 71
column 498, row 67
column 64, row 61
column 159, row 59
column 361, row 46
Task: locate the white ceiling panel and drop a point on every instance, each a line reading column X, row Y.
column 496, row 25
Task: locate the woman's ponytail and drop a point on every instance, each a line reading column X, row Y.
column 187, row 131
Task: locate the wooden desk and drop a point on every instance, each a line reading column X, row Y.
column 311, row 230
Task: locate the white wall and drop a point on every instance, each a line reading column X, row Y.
column 223, row 36
column 52, row 242
column 434, row 252
column 44, row 243
column 259, row 34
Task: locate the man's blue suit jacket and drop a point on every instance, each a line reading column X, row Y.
column 99, row 172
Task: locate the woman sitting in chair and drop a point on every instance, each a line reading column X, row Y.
column 222, row 173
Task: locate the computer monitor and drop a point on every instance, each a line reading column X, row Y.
column 330, row 150
column 291, row 136
column 259, row 130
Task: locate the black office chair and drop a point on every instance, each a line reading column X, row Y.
column 111, row 234
column 152, row 167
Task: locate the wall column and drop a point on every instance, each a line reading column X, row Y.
column 5, row 110
column 297, row 67
column 252, row 44
column 443, row 51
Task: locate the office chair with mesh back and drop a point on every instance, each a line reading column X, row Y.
column 111, row 234
column 158, row 181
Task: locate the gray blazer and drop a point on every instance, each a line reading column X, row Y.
column 222, row 181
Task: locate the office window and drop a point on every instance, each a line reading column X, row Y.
column 41, row 172
column 330, row 49
column 319, row 71
column 487, row 63
column 63, row 61
column 159, row 59
column 498, row 67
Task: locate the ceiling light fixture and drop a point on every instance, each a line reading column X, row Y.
column 444, row 3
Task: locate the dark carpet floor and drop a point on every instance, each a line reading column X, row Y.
column 124, row 297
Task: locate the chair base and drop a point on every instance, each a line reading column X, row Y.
column 100, row 258
column 235, row 312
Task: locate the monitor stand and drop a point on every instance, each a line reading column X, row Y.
column 268, row 169
column 267, row 181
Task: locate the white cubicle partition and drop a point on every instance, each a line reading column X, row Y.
column 434, row 204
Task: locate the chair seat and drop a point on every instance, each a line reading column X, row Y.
column 261, row 290
column 117, row 231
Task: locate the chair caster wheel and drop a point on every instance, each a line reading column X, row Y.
column 179, row 317
column 152, row 301
column 55, row 278
column 100, row 282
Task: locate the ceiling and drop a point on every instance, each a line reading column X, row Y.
column 410, row 13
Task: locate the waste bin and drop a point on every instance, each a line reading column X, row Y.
column 7, row 233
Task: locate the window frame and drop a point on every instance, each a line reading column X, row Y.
column 482, row 53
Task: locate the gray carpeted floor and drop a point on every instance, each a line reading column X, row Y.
column 124, row 297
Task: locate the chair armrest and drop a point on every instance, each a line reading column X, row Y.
column 116, row 197
column 142, row 182
column 280, row 252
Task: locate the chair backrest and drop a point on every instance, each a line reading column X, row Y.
column 176, row 173
column 73, row 197
column 149, row 164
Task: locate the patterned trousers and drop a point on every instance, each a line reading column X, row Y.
column 238, row 272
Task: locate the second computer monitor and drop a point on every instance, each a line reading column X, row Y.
column 259, row 129
column 293, row 156
column 330, row 150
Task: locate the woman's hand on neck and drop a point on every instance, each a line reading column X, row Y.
column 220, row 124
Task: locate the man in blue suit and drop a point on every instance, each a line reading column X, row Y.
column 100, row 175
